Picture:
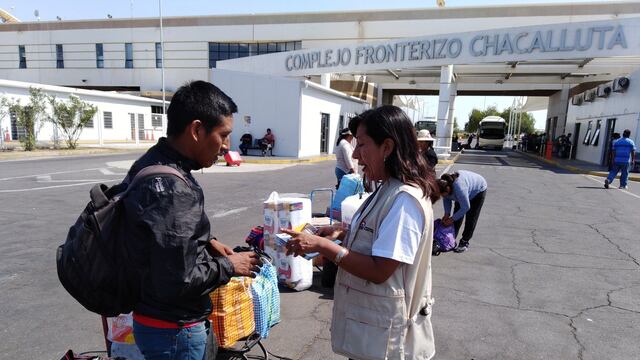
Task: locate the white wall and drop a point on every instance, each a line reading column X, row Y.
column 314, row 103
column 120, row 109
column 558, row 108
column 624, row 107
column 271, row 102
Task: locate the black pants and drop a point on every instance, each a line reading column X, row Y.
column 471, row 217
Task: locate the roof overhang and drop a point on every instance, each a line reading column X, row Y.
column 533, row 60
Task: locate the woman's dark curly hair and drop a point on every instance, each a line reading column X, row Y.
column 404, row 163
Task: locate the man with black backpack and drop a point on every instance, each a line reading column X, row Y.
column 169, row 243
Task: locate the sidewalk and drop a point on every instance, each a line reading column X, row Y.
column 577, row 166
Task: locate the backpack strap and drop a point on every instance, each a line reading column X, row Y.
column 154, row 170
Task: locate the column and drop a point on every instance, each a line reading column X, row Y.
column 446, row 102
column 325, row 80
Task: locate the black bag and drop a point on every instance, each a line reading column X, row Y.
column 92, row 263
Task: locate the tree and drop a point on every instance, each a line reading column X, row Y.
column 71, row 117
column 5, row 106
column 527, row 126
column 476, row 116
column 31, row 117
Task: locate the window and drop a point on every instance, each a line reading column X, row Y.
column 596, row 134
column 156, row 120
column 89, row 124
column 158, row 55
column 128, row 55
column 59, row 57
column 99, row 56
column 587, row 137
column 225, row 51
column 22, row 56
column 108, row 120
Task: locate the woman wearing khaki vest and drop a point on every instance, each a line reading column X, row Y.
column 382, row 296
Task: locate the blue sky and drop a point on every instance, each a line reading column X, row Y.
column 98, row 9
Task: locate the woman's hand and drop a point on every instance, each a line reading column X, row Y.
column 447, row 220
column 331, row 232
column 302, row 243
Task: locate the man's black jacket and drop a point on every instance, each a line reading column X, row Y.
column 167, row 234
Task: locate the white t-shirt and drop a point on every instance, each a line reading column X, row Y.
column 343, row 152
column 401, row 230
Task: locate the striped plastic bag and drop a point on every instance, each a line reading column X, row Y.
column 266, row 299
column 232, row 318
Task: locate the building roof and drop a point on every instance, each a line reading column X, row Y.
column 619, row 8
column 76, row 91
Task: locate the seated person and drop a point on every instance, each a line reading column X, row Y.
column 245, row 143
column 267, row 142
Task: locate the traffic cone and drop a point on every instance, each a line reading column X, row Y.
column 146, row 135
column 6, row 135
column 153, row 137
column 548, row 150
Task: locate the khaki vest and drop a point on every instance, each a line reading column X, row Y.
column 391, row 320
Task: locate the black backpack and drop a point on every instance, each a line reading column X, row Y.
column 92, row 263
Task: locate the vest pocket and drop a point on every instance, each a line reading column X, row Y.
column 372, row 335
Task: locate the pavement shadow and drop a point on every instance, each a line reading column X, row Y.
column 591, row 187
column 506, row 158
column 316, row 287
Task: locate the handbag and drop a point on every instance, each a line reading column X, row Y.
column 232, row 318
column 266, row 299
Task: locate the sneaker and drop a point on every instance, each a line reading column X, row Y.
column 622, row 187
column 462, row 247
column 606, row 183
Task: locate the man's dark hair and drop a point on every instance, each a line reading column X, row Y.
column 404, row 163
column 626, row 133
column 198, row 100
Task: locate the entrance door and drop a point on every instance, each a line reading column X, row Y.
column 611, row 128
column 324, row 133
column 574, row 141
column 133, row 126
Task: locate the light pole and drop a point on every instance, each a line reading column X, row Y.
column 164, row 120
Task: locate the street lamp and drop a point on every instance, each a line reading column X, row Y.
column 164, row 120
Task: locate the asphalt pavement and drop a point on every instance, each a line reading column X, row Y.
column 552, row 272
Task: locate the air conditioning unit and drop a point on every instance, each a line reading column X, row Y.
column 603, row 90
column 577, row 99
column 620, row 84
column 590, row 95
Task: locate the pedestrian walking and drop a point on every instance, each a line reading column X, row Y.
column 177, row 261
column 624, row 155
column 382, row 295
column 467, row 189
column 344, row 151
column 425, row 144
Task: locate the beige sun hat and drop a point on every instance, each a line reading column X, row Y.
column 424, row 135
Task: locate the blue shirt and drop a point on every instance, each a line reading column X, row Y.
column 623, row 148
column 465, row 188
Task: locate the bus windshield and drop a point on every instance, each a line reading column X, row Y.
column 429, row 125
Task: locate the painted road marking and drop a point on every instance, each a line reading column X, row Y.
column 599, row 181
column 229, row 212
column 48, row 174
column 56, row 186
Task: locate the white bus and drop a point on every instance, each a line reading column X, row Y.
column 491, row 132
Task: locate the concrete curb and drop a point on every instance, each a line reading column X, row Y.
column 275, row 160
column 574, row 169
column 450, row 161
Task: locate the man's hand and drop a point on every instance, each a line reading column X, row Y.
column 245, row 263
column 219, row 249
